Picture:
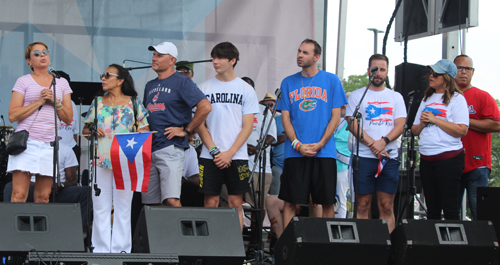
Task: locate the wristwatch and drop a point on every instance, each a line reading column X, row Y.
column 186, row 131
column 387, row 141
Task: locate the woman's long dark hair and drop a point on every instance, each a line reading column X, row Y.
column 128, row 87
column 449, row 90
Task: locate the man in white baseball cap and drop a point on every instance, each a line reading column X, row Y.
column 165, row 48
column 169, row 99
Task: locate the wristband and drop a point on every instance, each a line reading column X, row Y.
column 60, row 108
column 214, row 151
column 59, row 104
column 296, row 144
column 387, row 141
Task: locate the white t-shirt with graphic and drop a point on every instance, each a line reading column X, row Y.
column 66, row 131
column 379, row 111
column 254, row 137
column 433, row 140
column 230, row 101
column 190, row 163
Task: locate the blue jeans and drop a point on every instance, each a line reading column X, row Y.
column 470, row 181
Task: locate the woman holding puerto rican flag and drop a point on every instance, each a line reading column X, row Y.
column 116, row 114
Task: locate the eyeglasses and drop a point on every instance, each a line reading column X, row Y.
column 434, row 74
column 38, row 53
column 107, row 74
column 187, row 71
column 467, row 69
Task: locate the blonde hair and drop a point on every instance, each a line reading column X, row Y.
column 27, row 52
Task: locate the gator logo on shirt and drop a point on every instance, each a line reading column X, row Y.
column 378, row 112
column 434, row 108
column 308, row 104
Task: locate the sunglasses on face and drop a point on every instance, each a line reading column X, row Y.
column 107, row 75
column 38, row 53
column 186, row 71
column 434, row 74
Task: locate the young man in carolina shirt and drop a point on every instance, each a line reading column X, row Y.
column 484, row 118
column 169, row 100
column 224, row 157
column 383, row 119
column 310, row 112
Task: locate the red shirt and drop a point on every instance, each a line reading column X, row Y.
column 477, row 144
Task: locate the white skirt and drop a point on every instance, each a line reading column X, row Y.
column 36, row 159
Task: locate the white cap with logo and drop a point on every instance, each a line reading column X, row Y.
column 165, row 48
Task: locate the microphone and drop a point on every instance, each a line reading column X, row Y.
column 278, row 93
column 97, row 190
column 374, row 70
column 54, row 73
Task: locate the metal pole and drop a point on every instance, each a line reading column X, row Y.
column 341, row 39
column 375, row 38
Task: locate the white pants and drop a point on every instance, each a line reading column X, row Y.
column 107, row 238
column 342, row 186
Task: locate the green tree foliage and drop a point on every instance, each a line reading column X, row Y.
column 495, row 160
column 354, row 82
column 495, row 157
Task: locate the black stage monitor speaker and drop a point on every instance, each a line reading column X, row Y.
column 41, row 227
column 411, row 78
column 488, row 206
column 204, row 235
column 333, row 241
column 437, row 242
column 488, row 209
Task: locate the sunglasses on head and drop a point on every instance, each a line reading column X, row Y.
column 107, row 75
column 185, row 71
column 38, row 53
column 434, row 74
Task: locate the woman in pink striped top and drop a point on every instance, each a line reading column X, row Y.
column 32, row 107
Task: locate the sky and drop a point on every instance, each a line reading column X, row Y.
column 482, row 43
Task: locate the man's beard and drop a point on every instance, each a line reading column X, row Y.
column 378, row 83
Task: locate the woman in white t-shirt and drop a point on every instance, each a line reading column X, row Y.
column 441, row 120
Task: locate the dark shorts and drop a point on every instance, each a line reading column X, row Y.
column 387, row 181
column 304, row 176
column 235, row 177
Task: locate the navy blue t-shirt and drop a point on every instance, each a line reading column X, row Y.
column 169, row 103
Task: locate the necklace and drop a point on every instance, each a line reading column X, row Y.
column 309, row 83
column 113, row 102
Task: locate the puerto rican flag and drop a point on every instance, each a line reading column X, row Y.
column 131, row 160
column 381, row 163
column 379, row 111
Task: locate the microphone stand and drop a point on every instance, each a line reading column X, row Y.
column 55, row 144
column 80, row 140
column 260, row 155
column 411, row 164
column 3, row 153
column 358, row 116
column 149, row 66
column 92, row 174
